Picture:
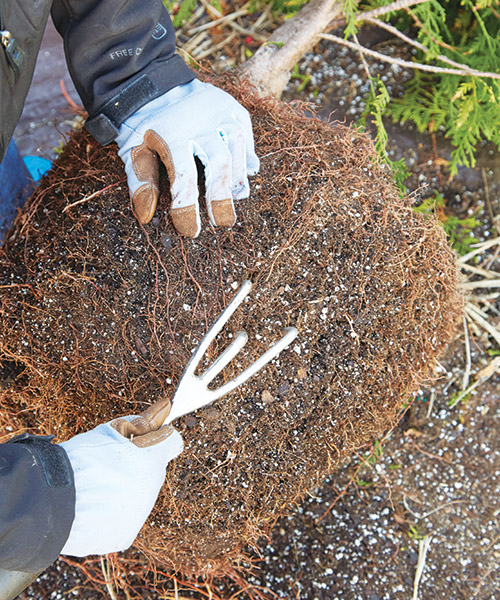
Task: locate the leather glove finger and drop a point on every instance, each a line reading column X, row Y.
column 174, row 127
column 183, row 175
column 233, row 136
column 147, row 428
column 252, row 162
column 183, row 179
column 141, row 167
column 216, row 159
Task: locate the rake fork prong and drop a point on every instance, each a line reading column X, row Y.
column 192, row 392
column 212, row 333
column 225, row 358
column 288, row 337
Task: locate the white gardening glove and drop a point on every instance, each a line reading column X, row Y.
column 117, row 481
column 194, row 119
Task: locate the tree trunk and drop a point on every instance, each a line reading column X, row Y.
column 269, row 69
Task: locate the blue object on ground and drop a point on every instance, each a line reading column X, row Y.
column 15, row 187
column 37, row 166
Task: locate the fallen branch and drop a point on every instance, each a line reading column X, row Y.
column 423, row 547
column 487, row 372
column 418, row 45
column 377, row 12
column 478, row 271
column 468, row 361
column 216, row 48
column 406, row 63
column 269, row 68
column 475, row 314
column 431, row 512
column 478, row 249
column 383, row 10
column 220, row 21
column 431, row 404
column 488, row 283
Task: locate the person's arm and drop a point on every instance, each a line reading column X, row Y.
column 88, row 495
column 121, row 55
column 37, row 503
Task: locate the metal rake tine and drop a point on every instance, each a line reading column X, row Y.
column 240, row 339
column 212, row 333
column 272, row 352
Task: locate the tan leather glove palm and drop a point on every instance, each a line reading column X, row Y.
column 192, row 120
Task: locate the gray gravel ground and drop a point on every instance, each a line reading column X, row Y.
column 438, row 476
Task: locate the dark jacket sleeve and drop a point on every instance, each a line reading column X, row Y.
column 37, row 503
column 120, row 54
column 25, row 25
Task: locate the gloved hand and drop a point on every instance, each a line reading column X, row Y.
column 194, row 119
column 118, row 479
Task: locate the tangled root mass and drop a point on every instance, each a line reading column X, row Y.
column 99, row 316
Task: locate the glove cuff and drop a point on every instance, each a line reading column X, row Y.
column 104, row 126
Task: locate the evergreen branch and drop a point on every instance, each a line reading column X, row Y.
column 418, row 45
column 365, row 64
column 407, row 63
column 383, row 10
column 419, row 24
column 377, row 12
column 479, row 19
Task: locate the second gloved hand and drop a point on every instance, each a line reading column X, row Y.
column 117, row 480
column 191, row 120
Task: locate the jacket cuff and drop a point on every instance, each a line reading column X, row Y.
column 37, row 505
column 159, row 79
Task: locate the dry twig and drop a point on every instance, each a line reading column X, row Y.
column 466, row 376
column 423, row 547
column 406, row 63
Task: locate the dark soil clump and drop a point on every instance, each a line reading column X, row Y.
column 99, row 316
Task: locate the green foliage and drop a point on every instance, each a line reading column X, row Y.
column 59, row 148
column 457, row 397
column 350, row 11
column 432, row 15
column 376, row 453
column 180, row 11
column 285, row 8
column 277, row 44
column 304, row 79
column 414, row 533
column 288, row 7
column 375, row 108
column 459, row 231
column 465, row 107
column 363, row 483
